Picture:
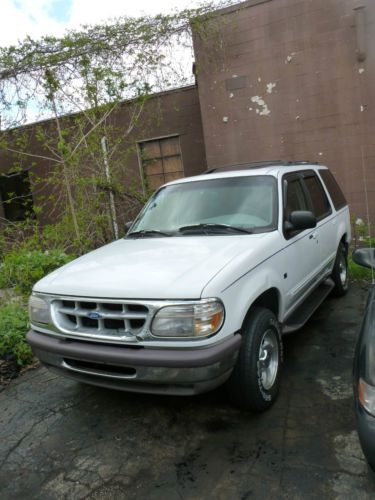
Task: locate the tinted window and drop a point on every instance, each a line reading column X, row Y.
column 334, row 190
column 295, row 197
column 319, row 200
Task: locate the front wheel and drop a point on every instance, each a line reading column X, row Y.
column 340, row 272
column 255, row 380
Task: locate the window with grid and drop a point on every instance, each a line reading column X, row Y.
column 161, row 161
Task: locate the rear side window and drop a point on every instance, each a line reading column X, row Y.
column 334, row 189
column 320, row 204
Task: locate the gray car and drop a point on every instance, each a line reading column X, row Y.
column 364, row 367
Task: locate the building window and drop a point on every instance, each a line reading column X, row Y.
column 161, row 161
column 15, row 196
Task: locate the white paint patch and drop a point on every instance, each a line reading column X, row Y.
column 335, row 387
column 362, row 109
column 262, row 109
column 320, row 153
column 297, row 117
column 225, row 119
column 234, row 76
column 231, row 95
column 250, row 109
column 361, row 70
column 270, row 86
column 289, row 58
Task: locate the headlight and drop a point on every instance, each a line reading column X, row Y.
column 366, row 396
column 39, row 310
column 190, row 320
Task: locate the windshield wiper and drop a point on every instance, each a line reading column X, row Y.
column 147, row 232
column 204, row 227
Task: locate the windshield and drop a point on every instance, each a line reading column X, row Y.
column 246, row 203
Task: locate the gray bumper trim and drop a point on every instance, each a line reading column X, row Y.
column 123, row 356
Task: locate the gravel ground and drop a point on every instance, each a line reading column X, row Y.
column 60, row 439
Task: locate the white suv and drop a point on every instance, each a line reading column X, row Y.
column 214, row 270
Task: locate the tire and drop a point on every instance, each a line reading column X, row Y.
column 253, row 384
column 340, row 272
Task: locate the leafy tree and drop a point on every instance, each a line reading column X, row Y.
column 79, row 82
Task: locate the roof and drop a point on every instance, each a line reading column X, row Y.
column 248, row 169
column 237, row 7
column 257, row 164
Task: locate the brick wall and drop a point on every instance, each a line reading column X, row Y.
column 280, row 79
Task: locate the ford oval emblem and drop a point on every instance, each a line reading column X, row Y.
column 94, row 315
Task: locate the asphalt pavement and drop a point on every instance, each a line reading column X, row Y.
column 63, row 440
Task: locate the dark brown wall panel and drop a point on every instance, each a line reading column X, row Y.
column 321, row 104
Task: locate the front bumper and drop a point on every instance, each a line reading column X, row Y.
column 138, row 369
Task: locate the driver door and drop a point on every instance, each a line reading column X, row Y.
column 302, row 247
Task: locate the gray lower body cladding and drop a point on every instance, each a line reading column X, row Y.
column 158, row 371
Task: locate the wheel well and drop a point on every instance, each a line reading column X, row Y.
column 269, row 299
column 344, row 240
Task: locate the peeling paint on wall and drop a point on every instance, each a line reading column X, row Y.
column 270, row 86
column 263, row 109
column 290, row 57
column 225, row 119
column 361, row 70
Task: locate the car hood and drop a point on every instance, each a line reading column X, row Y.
column 150, row 268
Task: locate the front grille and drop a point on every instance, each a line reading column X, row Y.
column 115, row 319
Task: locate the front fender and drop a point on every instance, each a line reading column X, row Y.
column 239, row 295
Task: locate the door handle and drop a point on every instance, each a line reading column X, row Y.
column 313, row 236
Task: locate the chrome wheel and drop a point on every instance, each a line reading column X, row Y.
column 343, row 270
column 268, row 359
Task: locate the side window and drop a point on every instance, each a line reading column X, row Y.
column 320, row 204
column 295, row 198
column 334, row 190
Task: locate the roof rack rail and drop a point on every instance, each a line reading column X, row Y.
column 257, row 164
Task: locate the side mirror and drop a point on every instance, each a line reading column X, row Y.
column 300, row 220
column 365, row 257
column 128, row 225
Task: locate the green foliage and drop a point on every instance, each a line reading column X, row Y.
column 358, row 272
column 22, row 269
column 361, row 239
column 13, row 329
column 93, row 84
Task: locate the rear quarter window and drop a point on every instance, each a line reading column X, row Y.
column 334, row 190
column 320, row 204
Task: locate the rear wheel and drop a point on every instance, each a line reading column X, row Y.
column 255, row 381
column 340, row 272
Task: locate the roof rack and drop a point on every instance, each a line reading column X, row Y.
column 257, row 164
